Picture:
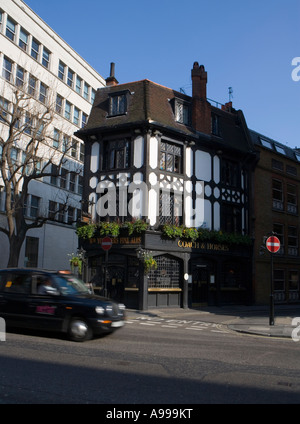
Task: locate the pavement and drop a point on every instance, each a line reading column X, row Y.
column 253, row 320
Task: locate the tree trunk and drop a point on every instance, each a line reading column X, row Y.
column 14, row 251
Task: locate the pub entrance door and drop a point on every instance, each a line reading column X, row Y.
column 115, row 278
column 200, row 276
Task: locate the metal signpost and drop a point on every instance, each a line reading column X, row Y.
column 273, row 246
column 106, row 246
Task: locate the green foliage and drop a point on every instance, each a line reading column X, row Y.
column 190, row 233
column 203, row 234
column 86, row 231
column 172, row 231
column 149, row 264
column 76, row 261
column 138, row 226
column 104, row 228
column 109, row 229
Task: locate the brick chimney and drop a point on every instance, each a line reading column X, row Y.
column 201, row 108
column 111, row 80
column 227, row 107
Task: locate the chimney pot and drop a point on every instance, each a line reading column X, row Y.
column 112, row 69
column 111, row 80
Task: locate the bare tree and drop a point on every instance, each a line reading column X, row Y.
column 27, row 128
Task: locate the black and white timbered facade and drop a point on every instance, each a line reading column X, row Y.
column 175, row 162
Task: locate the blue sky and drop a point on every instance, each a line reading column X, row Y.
column 248, row 45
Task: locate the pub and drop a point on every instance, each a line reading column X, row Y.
column 168, row 182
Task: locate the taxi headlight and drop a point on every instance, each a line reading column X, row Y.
column 122, row 307
column 99, row 310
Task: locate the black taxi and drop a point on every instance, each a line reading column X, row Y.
column 56, row 301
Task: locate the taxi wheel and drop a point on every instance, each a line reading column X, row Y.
column 79, row 330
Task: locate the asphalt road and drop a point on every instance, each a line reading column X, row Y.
column 162, row 364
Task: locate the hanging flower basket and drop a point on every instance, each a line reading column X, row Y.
column 76, row 262
column 149, row 264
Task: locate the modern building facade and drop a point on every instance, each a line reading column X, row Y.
column 34, row 59
column 184, row 168
column 276, row 210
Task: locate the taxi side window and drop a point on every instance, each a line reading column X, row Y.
column 16, row 283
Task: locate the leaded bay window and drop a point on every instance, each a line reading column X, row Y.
column 167, row 274
column 171, row 157
column 118, row 154
column 170, row 208
column 231, row 175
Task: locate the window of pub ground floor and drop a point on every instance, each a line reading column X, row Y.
column 206, row 281
column 219, row 282
column 121, row 277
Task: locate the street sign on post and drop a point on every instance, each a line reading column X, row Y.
column 106, row 243
column 106, row 246
column 273, row 244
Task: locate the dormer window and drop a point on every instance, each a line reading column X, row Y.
column 182, row 112
column 117, row 104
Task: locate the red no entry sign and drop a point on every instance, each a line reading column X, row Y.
column 106, row 243
column 273, row 244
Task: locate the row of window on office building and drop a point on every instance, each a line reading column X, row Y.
column 17, row 75
column 35, row 206
column 61, row 141
column 41, row 54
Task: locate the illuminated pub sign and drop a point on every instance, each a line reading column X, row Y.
column 117, row 240
column 181, row 244
column 184, row 244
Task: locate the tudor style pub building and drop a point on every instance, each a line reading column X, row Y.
column 181, row 165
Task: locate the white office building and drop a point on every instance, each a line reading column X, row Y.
column 36, row 59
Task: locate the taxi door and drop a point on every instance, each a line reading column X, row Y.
column 46, row 309
column 14, row 297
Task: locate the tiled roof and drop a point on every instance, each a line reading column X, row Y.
column 149, row 102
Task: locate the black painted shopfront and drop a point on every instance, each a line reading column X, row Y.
column 187, row 274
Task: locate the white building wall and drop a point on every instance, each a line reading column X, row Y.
column 56, row 241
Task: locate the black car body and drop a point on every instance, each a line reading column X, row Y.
column 57, row 301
